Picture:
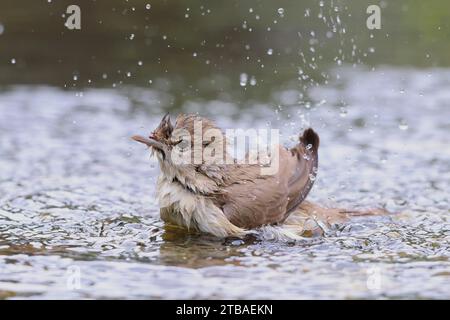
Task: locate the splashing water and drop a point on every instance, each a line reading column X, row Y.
column 76, row 197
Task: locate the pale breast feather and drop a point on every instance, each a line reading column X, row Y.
column 182, row 207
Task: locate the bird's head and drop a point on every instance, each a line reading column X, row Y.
column 190, row 145
column 159, row 140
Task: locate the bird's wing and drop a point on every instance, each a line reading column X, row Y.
column 254, row 200
column 251, row 200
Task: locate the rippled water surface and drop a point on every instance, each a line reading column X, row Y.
column 77, row 196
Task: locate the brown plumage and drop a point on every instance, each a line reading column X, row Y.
column 250, row 200
column 227, row 198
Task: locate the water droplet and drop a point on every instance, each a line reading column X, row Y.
column 308, row 146
column 148, row 6
column 104, row 76
column 253, row 81
column 13, row 61
column 140, row 63
column 343, row 112
column 312, row 177
column 243, row 78
column 403, row 125
column 269, row 52
column 131, row 37
column 281, row 12
column 128, row 74
column 75, row 77
column 237, row 242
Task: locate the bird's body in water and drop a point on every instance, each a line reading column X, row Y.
column 225, row 198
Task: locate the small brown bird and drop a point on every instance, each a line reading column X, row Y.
column 228, row 198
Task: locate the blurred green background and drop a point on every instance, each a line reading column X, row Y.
column 199, row 49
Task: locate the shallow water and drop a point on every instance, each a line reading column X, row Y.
column 78, row 217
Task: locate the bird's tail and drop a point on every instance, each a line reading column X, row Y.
column 311, row 220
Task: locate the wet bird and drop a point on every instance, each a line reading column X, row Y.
column 230, row 198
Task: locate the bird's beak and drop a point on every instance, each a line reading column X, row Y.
column 149, row 142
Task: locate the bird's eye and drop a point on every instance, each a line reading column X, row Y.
column 182, row 144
